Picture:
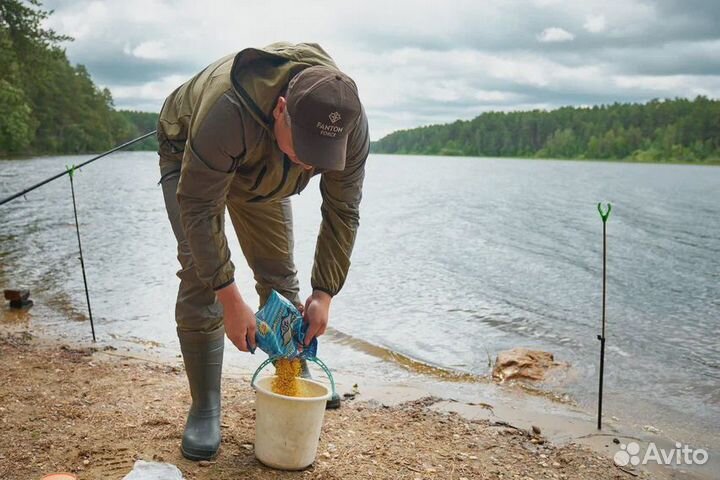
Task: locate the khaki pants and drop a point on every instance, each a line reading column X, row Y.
column 264, row 230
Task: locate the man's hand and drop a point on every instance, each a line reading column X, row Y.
column 239, row 318
column 316, row 314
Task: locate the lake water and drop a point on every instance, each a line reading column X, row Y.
column 456, row 259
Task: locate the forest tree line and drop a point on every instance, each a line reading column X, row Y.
column 47, row 105
column 678, row 130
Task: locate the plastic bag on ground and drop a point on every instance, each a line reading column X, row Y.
column 281, row 330
column 143, row 470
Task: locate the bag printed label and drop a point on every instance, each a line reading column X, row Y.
column 281, row 329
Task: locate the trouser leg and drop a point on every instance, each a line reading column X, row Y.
column 265, row 232
column 198, row 316
column 196, row 307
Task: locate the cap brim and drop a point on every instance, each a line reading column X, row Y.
column 325, row 153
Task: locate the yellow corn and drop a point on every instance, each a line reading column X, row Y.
column 286, row 378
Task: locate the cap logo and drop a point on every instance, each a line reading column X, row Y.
column 330, row 129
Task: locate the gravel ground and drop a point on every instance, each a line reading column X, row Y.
column 64, row 409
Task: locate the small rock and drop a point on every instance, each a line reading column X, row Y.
column 651, row 429
column 616, row 441
column 555, row 464
column 522, row 363
column 86, row 462
column 205, row 463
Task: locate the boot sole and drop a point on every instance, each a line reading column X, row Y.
column 333, row 403
column 197, row 455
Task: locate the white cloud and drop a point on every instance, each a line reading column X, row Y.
column 595, row 23
column 147, row 91
column 669, row 85
column 152, row 50
column 555, row 34
column 498, row 96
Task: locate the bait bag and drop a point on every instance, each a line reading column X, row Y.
column 281, row 330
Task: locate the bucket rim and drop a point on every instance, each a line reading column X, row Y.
column 265, row 391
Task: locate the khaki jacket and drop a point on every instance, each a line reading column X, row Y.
column 217, row 128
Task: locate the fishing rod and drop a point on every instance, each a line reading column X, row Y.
column 66, row 172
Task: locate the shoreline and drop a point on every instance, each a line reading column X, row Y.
column 565, row 430
column 712, row 163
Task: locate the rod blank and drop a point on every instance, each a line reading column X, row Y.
column 55, row 177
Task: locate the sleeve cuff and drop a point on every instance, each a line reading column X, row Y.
column 326, row 290
column 223, row 285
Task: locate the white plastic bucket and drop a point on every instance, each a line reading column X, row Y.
column 287, row 429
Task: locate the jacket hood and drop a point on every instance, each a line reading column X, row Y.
column 260, row 75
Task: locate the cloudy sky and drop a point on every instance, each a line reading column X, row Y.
column 415, row 62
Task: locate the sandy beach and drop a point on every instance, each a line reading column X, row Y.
column 94, row 411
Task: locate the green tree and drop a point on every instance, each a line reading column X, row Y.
column 48, row 105
column 16, row 130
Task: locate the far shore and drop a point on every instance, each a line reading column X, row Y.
column 715, row 162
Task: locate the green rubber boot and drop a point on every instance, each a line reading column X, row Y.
column 334, row 402
column 203, row 356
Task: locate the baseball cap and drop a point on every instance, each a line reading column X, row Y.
column 324, row 106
